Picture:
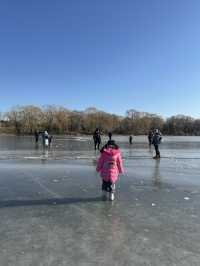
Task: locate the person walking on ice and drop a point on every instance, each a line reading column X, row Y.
column 36, row 136
column 110, row 135
column 150, row 137
column 130, row 139
column 157, row 137
column 45, row 138
column 109, row 166
column 97, row 139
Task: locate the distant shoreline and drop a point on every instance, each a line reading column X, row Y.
column 90, row 135
column 26, row 120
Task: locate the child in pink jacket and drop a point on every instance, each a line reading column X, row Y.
column 110, row 166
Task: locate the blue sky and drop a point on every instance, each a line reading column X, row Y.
column 112, row 54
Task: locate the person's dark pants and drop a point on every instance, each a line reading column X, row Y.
column 157, row 151
column 97, row 145
column 150, row 141
column 108, row 186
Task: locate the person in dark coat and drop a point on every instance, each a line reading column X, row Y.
column 131, row 140
column 157, row 137
column 36, row 137
column 45, row 138
column 110, row 135
column 150, row 137
column 97, row 139
column 50, row 140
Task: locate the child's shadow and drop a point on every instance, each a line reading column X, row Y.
column 52, row 201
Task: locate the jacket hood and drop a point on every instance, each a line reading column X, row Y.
column 111, row 152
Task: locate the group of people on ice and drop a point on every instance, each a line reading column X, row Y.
column 110, row 163
column 154, row 138
column 46, row 138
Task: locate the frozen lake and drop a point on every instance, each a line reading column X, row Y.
column 180, row 155
column 52, row 213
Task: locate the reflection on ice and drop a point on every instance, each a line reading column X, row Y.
column 156, row 177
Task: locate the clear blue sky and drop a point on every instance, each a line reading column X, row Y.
column 112, row 54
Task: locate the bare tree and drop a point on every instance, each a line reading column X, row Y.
column 26, row 119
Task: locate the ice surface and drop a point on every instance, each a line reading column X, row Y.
column 52, row 213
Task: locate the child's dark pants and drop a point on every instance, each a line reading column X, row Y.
column 108, row 186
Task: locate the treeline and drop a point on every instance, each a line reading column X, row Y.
column 59, row 120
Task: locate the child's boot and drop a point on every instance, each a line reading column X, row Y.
column 112, row 196
column 104, row 195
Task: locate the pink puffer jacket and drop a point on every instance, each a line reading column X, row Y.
column 110, row 164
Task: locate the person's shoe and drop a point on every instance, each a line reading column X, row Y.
column 112, row 196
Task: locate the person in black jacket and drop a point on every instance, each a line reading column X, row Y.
column 131, row 140
column 110, row 135
column 36, row 136
column 150, row 137
column 156, row 140
column 97, row 139
column 50, row 140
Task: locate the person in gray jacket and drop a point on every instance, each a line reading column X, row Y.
column 157, row 137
